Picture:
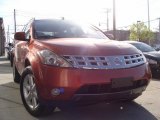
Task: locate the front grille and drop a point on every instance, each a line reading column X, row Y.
column 107, row 88
column 105, row 62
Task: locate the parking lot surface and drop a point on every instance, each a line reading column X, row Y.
column 146, row 107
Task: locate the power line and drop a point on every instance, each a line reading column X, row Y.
column 141, row 22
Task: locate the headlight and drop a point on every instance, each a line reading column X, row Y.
column 50, row 58
column 150, row 61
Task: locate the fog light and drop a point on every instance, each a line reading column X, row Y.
column 57, row 91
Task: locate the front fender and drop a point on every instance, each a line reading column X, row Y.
column 35, row 63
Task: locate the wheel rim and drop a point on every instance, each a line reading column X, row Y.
column 30, row 92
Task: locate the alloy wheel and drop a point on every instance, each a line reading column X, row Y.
column 30, row 92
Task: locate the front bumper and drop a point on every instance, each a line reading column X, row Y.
column 109, row 96
column 72, row 80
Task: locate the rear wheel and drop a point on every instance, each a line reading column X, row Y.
column 16, row 75
column 30, row 97
column 8, row 57
column 11, row 60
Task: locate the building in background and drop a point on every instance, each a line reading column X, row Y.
column 124, row 35
column 2, row 37
column 120, row 34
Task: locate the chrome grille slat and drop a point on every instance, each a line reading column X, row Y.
column 105, row 62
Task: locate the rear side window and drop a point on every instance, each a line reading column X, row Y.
column 64, row 29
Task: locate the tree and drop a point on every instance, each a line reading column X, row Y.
column 140, row 32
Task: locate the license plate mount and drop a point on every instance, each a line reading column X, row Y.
column 122, row 82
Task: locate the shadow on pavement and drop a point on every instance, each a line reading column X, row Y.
column 5, row 67
column 156, row 76
column 103, row 111
column 3, row 58
column 10, row 93
column 11, row 85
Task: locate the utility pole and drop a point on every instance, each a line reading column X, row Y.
column 159, row 24
column 8, row 36
column 107, row 11
column 14, row 20
column 148, row 20
column 138, row 30
column 114, row 20
column 148, row 14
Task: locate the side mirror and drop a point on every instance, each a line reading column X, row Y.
column 20, row 36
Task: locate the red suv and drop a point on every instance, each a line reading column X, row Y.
column 59, row 61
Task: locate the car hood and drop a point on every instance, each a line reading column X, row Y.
column 153, row 54
column 87, row 46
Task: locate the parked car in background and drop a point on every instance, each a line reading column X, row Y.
column 152, row 56
column 10, row 52
column 59, row 62
column 8, row 49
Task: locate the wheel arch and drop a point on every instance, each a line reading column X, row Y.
column 27, row 62
column 34, row 61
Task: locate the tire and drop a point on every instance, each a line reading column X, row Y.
column 29, row 95
column 8, row 57
column 11, row 60
column 16, row 75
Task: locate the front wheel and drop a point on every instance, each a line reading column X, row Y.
column 30, row 97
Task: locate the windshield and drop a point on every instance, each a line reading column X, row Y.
column 143, row 47
column 45, row 29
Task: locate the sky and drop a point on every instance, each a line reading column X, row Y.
column 92, row 11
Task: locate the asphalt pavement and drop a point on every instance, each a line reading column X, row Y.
column 146, row 107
